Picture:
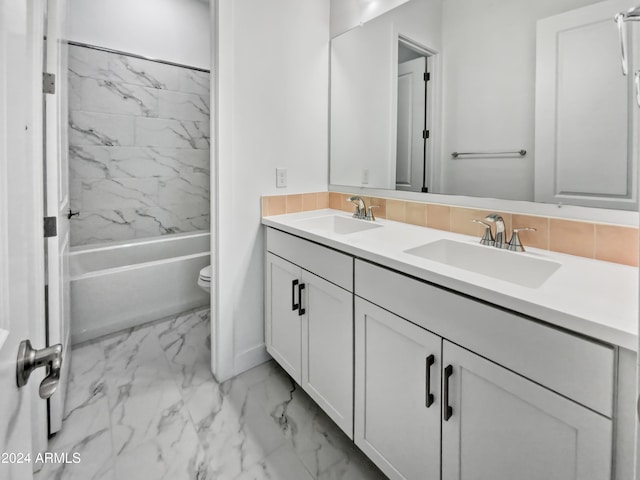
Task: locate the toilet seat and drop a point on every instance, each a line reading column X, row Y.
column 205, row 273
column 204, row 278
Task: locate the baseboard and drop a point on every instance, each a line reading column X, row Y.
column 250, row 358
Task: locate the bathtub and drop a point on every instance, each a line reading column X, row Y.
column 124, row 284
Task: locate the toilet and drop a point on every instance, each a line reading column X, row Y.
column 204, row 279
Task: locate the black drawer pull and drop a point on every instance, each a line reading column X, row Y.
column 431, row 360
column 447, row 409
column 294, row 305
column 301, row 310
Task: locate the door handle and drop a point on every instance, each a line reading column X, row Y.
column 30, row 359
column 430, row 361
column 294, row 305
column 73, row 213
column 301, row 311
column 447, row 409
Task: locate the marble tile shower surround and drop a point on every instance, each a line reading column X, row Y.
column 609, row 243
column 143, row 404
column 138, row 147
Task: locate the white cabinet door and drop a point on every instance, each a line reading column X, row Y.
column 283, row 320
column 327, row 349
column 397, row 421
column 503, row 426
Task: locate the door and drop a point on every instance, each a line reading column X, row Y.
column 411, row 144
column 57, row 202
column 502, row 425
column 283, row 315
column 397, row 394
column 21, row 242
column 585, row 139
column 327, row 348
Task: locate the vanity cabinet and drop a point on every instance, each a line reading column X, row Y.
column 420, row 399
column 309, row 322
column 500, row 411
column 432, row 384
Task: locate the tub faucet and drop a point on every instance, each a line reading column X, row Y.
column 499, row 237
column 361, row 209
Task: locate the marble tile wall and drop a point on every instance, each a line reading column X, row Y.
column 138, row 147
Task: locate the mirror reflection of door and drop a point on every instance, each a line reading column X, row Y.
column 413, row 134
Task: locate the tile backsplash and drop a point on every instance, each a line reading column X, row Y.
column 610, row 243
column 138, row 147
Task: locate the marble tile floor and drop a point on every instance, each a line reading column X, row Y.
column 143, row 405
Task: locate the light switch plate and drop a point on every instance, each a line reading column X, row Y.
column 281, row 177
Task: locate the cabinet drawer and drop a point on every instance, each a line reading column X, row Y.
column 333, row 266
column 580, row 369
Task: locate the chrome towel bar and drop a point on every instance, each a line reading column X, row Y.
column 522, row 153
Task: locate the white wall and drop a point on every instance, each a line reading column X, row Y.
column 173, row 30
column 364, row 65
column 346, row 14
column 489, row 92
column 272, row 97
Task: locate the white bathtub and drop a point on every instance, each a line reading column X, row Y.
column 124, row 284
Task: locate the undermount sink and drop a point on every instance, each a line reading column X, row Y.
column 337, row 224
column 501, row 264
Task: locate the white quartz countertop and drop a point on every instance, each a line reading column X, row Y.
column 590, row 297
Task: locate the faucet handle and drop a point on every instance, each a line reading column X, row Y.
column 515, row 245
column 487, row 238
column 370, row 215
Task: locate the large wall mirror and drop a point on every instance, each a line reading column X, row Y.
column 509, row 99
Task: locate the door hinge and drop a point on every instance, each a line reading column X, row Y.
column 50, row 227
column 48, row 83
column 427, row 76
column 425, row 134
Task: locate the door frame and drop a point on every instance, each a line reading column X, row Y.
column 409, row 69
column 433, row 115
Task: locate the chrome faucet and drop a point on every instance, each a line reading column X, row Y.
column 499, row 236
column 361, row 209
column 514, row 244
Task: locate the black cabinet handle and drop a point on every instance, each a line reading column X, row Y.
column 447, row 410
column 294, row 305
column 301, row 310
column 431, row 360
